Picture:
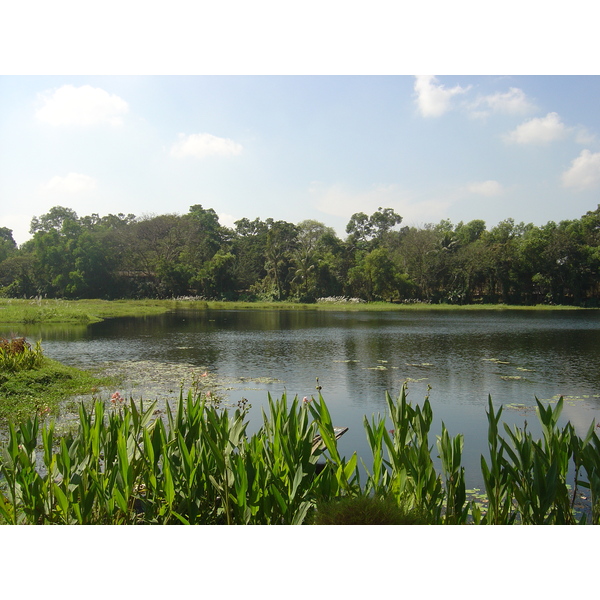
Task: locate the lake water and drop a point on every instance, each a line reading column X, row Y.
column 464, row 356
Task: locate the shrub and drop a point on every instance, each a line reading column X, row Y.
column 16, row 354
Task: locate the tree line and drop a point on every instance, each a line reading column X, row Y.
column 171, row 255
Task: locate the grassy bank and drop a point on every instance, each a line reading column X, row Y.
column 17, row 311
column 31, row 383
column 77, row 311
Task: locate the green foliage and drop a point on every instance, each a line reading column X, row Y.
column 166, row 256
column 366, row 510
column 124, row 465
column 7, row 243
column 30, row 383
column 16, row 354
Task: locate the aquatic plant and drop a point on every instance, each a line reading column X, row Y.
column 199, row 466
column 127, row 466
column 366, row 510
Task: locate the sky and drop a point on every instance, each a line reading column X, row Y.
column 294, row 111
column 297, row 147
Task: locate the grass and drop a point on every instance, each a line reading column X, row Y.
column 77, row 311
column 366, row 510
column 31, row 383
column 20, row 311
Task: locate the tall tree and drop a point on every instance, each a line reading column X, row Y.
column 281, row 241
column 8, row 245
column 362, row 229
column 311, row 242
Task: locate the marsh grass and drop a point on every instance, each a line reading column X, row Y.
column 366, row 510
column 35, row 311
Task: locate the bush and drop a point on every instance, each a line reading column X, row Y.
column 16, row 354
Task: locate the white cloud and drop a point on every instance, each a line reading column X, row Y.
column 584, row 137
column 540, row 130
column 72, row 183
column 201, row 145
column 227, row 220
column 85, row 105
column 19, row 224
column 339, row 201
column 433, row 99
column 485, row 188
column 513, row 102
column 584, row 173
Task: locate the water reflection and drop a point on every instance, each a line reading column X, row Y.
column 463, row 356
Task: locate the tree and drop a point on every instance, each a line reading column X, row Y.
column 8, row 245
column 93, row 275
column 204, row 234
column 376, row 277
column 469, row 233
column 503, row 240
column 280, row 242
column 54, row 220
column 311, row 241
column 157, row 240
column 248, row 246
column 17, row 277
column 215, row 279
column 363, row 229
column 417, row 256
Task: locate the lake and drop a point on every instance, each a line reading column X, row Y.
column 458, row 357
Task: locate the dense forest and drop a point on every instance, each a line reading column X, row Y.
column 170, row 255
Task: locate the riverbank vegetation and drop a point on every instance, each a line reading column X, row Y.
column 84, row 312
column 193, row 255
column 18, row 311
column 126, row 465
column 31, row 383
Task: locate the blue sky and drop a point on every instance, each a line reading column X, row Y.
column 301, row 147
column 292, row 146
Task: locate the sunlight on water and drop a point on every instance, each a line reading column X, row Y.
column 461, row 356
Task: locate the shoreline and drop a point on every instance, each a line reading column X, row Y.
column 84, row 312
